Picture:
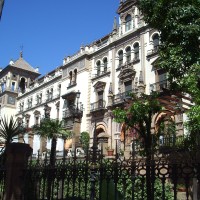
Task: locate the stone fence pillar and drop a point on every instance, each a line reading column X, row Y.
column 16, row 161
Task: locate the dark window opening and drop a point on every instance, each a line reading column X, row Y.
column 136, row 51
column 105, row 63
column 128, row 86
column 155, row 41
column 128, row 54
column 128, row 22
column 120, row 57
column 22, row 85
column 100, row 99
column 98, row 68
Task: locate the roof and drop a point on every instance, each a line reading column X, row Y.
column 22, row 64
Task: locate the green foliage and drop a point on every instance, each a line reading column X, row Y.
column 192, row 139
column 85, row 139
column 139, row 186
column 179, row 25
column 50, row 128
column 9, row 130
column 138, row 115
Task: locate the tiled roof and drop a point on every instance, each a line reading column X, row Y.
column 22, row 64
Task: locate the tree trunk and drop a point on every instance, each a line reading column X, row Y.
column 53, row 151
column 51, row 167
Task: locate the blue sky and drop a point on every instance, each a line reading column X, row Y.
column 49, row 30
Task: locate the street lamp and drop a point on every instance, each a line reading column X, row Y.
column 46, row 111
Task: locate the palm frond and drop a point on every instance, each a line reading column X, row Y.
column 9, row 129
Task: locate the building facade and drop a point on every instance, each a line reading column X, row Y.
column 90, row 84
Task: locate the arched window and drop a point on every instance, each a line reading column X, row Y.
column 75, row 75
column 59, row 89
column 22, row 85
column 70, row 78
column 105, row 64
column 98, row 68
column 128, row 54
column 128, row 22
column 51, row 94
column 120, row 53
column 136, row 51
column 155, row 41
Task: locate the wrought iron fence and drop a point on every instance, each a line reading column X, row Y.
column 172, row 176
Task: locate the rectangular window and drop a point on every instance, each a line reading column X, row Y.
column 128, row 86
column 36, row 120
column 100, row 99
column 13, row 87
column 162, row 79
column 11, row 100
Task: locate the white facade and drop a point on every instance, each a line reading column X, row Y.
column 103, row 72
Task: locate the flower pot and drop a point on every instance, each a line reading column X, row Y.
column 110, row 152
column 181, row 189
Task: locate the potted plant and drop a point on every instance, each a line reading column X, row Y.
column 181, row 188
column 110, row 151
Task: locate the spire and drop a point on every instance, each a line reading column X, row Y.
column 115, row 24
column 21, row 54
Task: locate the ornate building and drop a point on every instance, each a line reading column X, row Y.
column 90, row 84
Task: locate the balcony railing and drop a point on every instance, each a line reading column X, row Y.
column 73, row 112
column 120, row 97
column 99, row 105
column 101, row 73
column 9, row 89
column 164, row 144
column 153, row 51
column 159, row 86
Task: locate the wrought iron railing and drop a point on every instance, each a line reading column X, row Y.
column 99, row 105
column 159, row 86
column 73, row 111
column 153, row 51
column 114, row 179
column 121, row 97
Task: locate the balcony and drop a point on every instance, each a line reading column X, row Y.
column 159, row 86
column 120, row 97
column 99, row 105
column 101, row 74
column 73, row 112
column 9, row 89
column 72, row 84
column 152, row 52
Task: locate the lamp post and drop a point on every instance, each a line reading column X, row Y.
column 46, row 111
column 77, row 114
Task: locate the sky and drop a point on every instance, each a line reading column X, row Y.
column 48, row 30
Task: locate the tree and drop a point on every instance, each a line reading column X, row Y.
column 9, row 130
column 52, row 129
column 85, row 140
column 138, row 115
column 179, row 25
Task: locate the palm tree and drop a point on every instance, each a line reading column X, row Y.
column 9, row 130
column 52, row 129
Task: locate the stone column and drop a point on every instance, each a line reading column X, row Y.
column 76, row 131
column 16, row 161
